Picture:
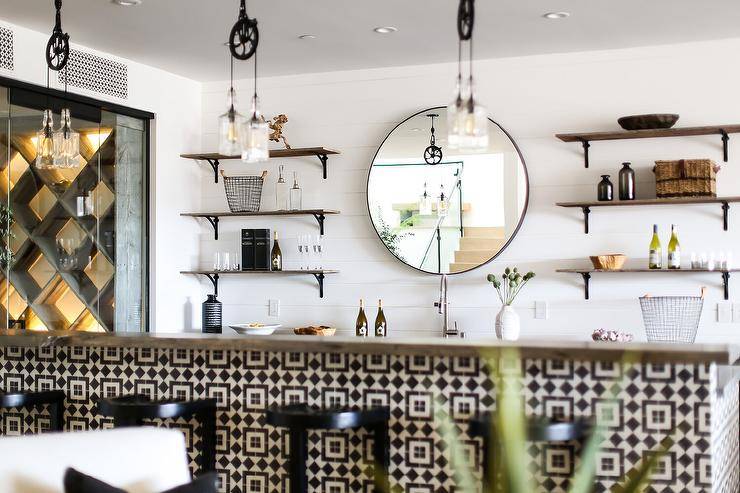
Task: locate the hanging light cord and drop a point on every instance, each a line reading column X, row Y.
column 254, row 110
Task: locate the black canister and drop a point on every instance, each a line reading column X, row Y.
column 605, row 189
column 626, row 182
column 212, row 311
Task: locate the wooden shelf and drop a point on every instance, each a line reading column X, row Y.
column 214, row 158
column 586, row 274
column 586, row 206
column 213, row 217
column 214, row 276
column 587, row 137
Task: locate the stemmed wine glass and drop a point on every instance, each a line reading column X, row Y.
column 318, row 252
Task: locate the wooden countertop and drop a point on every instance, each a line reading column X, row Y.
column 722, row 354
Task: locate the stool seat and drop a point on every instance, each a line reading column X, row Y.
column 299, row 418
column 52, row 398
column 539, row 429
column 303, row 416
column 131, row 410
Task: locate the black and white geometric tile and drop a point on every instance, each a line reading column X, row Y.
column 647, row 403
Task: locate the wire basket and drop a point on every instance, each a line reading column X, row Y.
column 243, row 193
column 671, row 318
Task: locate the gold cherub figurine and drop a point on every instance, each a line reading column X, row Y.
column 276, row 127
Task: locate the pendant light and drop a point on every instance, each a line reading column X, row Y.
column 254, row 133
column 45, row 142
column 231, row 123
column 467, row 119
column 432, row 154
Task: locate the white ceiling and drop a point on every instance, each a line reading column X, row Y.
column 186, row 36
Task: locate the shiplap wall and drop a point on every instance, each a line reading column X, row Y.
column 533, row 98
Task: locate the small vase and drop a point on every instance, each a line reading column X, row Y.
column 507, row 324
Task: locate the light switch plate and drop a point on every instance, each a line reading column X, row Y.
column 541, row 310
column 736, row 313
column 724, row 313
column 273, row 309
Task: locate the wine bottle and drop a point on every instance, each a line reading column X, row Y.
column 656, row 252
column 295, row 194
column 674, row 250
column 361, row 324
column 282, row 192
column 381, row 326
column 276, row 256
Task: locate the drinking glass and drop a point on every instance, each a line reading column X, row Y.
column 234, row 261
column 318, row 252
column 221, row 262
column 300, row 252
column 307, row 252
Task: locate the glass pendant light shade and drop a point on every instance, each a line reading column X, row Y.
column 45, row 143
column 230, row 128
column 256, row 137
column 456, row 115
column 467, row 121
column 66, row 143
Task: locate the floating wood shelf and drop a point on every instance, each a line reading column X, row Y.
column 213, row 217
column 586, row 206
column 215, row 158
column 586, row 138
column 214, row 276
column 586, row 274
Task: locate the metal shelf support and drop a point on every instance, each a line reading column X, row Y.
column 214, row 164
column 586, row 146
column 324, row 159
column 586, row 282
column 726, row 284
column 214, row 280
column 725, row 214
column 725, row 141
column 214, row 222
column 586, row 212
column 320, row 219
column 320, row 279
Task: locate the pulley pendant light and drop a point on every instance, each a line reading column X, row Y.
column 256, row 138
column 432, row 154
column 231, row 123
column 467, row 119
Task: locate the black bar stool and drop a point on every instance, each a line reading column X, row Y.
column 299, row 418
column 539, row 429
column 132, row 410
column 52, row 398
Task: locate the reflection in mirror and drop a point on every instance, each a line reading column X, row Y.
column 441, row 211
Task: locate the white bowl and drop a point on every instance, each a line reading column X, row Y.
column 250, row 329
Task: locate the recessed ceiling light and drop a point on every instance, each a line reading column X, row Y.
column 385, row 29
column 127, row 3
column 556, row 15
column 307, row 36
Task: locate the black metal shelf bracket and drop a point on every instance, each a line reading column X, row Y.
column 725, row 214
column 726, row 284
column 324, row 159
column 320, row 219
column 214, row 164
column 586, row 146
column 214, row 280
column 320, row 279
column 586, row 212
column 725, row 141
column 586, row 282
column 214, row 222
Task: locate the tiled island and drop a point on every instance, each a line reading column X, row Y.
column 690, row 388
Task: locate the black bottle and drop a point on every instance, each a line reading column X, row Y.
column 626, row 182
column 212, row 310
column 605, row 189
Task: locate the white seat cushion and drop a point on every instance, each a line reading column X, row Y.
column 139, row 460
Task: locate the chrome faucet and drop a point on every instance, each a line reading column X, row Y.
column 443, row 308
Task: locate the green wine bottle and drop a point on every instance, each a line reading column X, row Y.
column 361, row 327
column 381, row 326
column 674, row 250
column 656, row 251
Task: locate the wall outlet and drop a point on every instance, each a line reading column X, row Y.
column 724, row 313
column 273, row 309
column 736, row 313
column 541, row 310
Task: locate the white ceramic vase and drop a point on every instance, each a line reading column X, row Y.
column 507, row 324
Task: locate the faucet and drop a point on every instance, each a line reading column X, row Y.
column 443, row 308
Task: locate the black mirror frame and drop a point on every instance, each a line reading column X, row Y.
column 521, row 218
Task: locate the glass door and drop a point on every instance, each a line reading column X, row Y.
column 64, row 226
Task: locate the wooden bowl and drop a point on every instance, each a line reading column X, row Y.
column 315, row 330
column 648, row 122
column 613, row 261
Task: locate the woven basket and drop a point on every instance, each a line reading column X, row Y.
column 686, row 178
column 243, row 193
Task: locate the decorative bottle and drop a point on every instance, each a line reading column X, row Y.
column 605, row 189
column 212, row 311
column 626, row 182
column 295, row 195
column 282, row 192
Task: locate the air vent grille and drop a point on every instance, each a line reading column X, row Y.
column 6, row 49
column 97, row 74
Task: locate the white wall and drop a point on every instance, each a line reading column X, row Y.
column 533, row 98
column 176, row 102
